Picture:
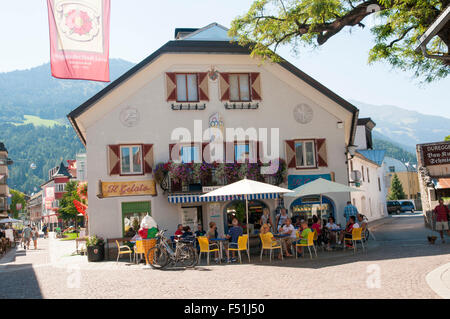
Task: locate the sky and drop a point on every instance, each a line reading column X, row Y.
column 139, row 27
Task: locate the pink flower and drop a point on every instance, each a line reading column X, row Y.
column 78, row 22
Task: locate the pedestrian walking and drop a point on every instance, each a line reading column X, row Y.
column 441, row 215
column 350, row 210
column 45, row 231
column 34, row 236
column 26, row 236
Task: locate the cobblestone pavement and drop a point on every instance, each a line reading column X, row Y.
column 395, row 266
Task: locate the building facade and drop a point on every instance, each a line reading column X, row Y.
column 5, row 161
column 53, row 190
column 34, row 205
column 407, row 175
column 433, row 161
column 367, row 173
column 200, row 81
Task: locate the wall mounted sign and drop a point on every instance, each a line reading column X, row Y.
column 303, row 113
column 436, row 154
column 295, row 181
column 129, row 116
column 206, row 189
column 129, row 188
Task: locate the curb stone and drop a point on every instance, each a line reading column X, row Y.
column 435, row 279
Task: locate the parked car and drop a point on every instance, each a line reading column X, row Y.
column 407, row 206
column 393, row 207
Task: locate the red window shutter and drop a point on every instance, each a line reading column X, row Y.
column 147, row 152
column 114, row 159
column 255, row 79
column 224, row 84
column 203, row 92
column 290, row 153
column 177, row 154
column 171, row 86
column 321, row 150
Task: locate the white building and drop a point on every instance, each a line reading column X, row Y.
column 368, row 164
column 81, row 167
column 202, row 77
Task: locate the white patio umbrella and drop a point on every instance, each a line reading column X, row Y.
column 246, row 187
column 9, row 220
column 321, row 186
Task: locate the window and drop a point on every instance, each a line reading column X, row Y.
column 239, row 87
column 190, row 154
column 241, row 152
column 392, row 169
column 305, row 154
column 130, row 159
column 379, row 184
column 368, row 176
column 362, row 172
column 187, row 88
column 60, row 187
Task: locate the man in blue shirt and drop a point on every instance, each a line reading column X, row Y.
column 233, row 235
column 350, row 210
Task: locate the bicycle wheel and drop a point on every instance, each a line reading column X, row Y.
column 157, row 257
column 187, row 256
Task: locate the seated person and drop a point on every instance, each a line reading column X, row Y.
column 200, row 232
column 233, row 235
column 362, row 221
column 316, row 225
column 265, row 231
column 304, row 231
column 288, row 229
column 330, row 228
column 211, row 234
column 187, row 232
column 179, row 230
column 347, row 233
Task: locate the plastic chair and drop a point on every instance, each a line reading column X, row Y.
column 123, row 252
column 309, row 243
column 242, row 245
column 269, row 244
column 356, row 236
column 138, row 249
column 205, row 247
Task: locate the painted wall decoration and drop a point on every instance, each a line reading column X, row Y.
column 129, row 116
column 303, row 113
column 295, row 181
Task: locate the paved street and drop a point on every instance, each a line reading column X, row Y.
column 395, row 266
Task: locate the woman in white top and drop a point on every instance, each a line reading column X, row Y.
column 281, row 218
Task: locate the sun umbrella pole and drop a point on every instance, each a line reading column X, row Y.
column 246, row 211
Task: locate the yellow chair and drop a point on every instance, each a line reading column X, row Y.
column 242, row 245
column 316, row 237
column 269, row 244
column 309, row 243
column 138, row 249
column 356, row 236
column 127, row 250
column 205, row 247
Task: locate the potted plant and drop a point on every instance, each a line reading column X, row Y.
column 95, row 247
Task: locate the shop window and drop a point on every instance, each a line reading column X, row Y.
column 309, row 206
column 237, row 209
column 305, row 154
column 132, row 215
column 190, row 154
column 187, row 88
column 131, row 159
column 239, row 87
column 241, row 152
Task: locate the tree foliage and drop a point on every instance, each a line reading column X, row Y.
column 17, row 198
column 67, row 210
column 447, row 138
column 396, row 192
column 269, row 24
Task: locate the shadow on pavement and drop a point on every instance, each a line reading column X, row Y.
column 19, row 282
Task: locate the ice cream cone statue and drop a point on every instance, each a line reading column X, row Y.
column 148, row 232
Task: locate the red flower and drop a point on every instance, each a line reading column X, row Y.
column 79, row 22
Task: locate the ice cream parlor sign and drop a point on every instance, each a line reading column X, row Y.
column 133, row 188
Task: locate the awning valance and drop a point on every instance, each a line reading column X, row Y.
column 441, row 183
column 195, row 198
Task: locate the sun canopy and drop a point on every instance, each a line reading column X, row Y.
column 246, row 187
column 9, row 220
column 321, row 186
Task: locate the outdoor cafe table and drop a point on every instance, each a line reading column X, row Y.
column 220, row 241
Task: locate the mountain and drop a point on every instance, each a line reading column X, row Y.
column 35, row 92
column 33, row 123
column 404, row 127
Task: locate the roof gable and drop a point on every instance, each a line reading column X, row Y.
column 212, row 32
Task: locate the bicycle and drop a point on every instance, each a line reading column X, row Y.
column 162, row 254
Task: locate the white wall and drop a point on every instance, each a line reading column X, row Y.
column 157, row 120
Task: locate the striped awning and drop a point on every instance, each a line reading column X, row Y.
column 195, row 198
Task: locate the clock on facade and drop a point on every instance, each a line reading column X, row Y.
column 303, row 113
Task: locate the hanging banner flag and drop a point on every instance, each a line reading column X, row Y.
column 79, row 39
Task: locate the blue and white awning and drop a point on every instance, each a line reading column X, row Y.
column 190, row 198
